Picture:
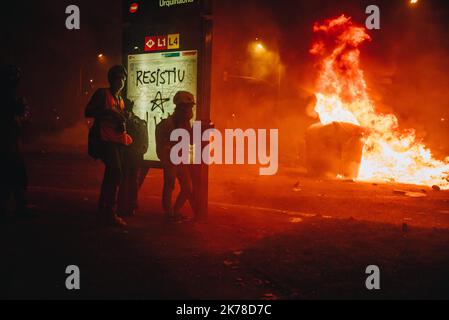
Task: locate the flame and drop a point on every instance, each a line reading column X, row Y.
column 390, row 154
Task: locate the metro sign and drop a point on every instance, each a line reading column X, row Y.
column 161, row 43
column 150, row 43
column 156, row 43
column 134, row 7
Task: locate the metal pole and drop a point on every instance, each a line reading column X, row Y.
column 202, row 172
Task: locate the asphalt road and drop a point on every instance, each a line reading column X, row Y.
column 282, row 237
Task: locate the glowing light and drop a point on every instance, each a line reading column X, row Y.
column 100, row 56
column 390, row 154
column 258, row 48
column 413, row 1
column 134, row 7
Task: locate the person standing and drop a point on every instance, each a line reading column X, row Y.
column 181, row 119
column 133, row 158
column 107, row 139
column 13, row 179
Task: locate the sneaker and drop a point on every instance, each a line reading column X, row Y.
column 127, row 213
column 172, row 219
column 118, row 222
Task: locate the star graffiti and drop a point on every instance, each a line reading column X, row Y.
column 158, row 102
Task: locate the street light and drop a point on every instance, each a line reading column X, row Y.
column 259, row 51
column 258, row 48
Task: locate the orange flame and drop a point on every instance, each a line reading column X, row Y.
column 389, row 154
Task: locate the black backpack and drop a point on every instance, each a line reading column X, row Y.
column 138, row 130
column 96, row 145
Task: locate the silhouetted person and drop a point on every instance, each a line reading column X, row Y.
column 133, row 157
column 181, row 119
column 107, row 140
column 13, row 178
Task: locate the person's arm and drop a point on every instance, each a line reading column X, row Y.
column 96, row 106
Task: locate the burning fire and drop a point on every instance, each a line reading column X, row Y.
column 390, row 154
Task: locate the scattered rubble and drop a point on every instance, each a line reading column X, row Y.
column 416, row 195
column 297, row 187
column 410, row 194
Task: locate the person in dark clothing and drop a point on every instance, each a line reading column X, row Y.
column 13, row 180
column 108, row 139
column 133, row 157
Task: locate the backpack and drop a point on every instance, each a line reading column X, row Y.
column 96, row 146
column 138, row 130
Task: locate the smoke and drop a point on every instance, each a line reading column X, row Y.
column 272, row 88
column 252, row 86
column 57, row 64
column 70, row 140
column 404, row 66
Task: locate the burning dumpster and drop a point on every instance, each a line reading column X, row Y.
column 342, row 97
column 334, row 150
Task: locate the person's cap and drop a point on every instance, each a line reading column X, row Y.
column 184, row 97
column 117, row 71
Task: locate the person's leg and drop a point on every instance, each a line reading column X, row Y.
column 128, row 193
column 110, row 186
column 169, row 187
column 124, row 194
column 108, row 194
column 133, row 189
column 186, row 194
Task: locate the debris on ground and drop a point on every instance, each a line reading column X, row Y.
column 231, row 263
column 297, row 187
column 436, row 188
column 296, row 220
column 410, row 194
column 258, row 282
column 416, row 195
